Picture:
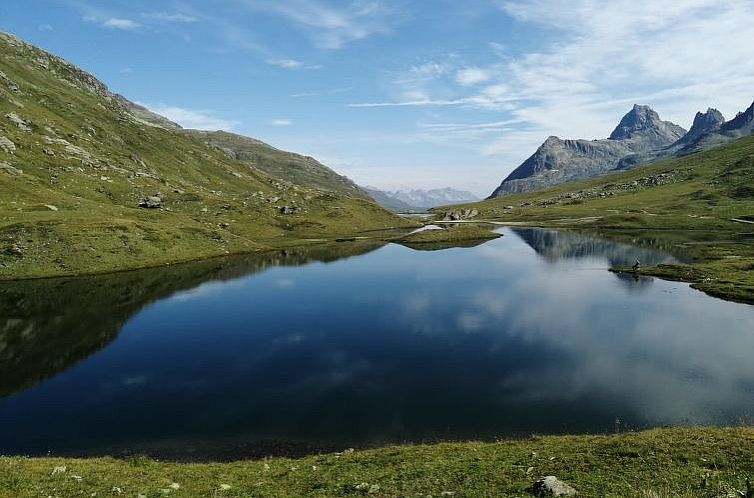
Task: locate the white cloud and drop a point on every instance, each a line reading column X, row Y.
column 165, row 17
column 117, row 23
column 281, row 122
column 330, row 27
column 45, row 27
column 472, row 76
column 679, row 57
column 199, row 120
column 292, row 64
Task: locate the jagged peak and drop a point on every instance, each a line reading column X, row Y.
column 741, row 120
column 642, row 120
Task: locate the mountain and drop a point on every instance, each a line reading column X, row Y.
column 91, row 185
column 386, row 200
column 640, row 138
column 419, row 199
column 560, row 161
column 301, row 170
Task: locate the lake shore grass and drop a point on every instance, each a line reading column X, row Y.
column 677, row 462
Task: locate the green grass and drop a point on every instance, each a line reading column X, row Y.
column 658, row 463
column 696, row 197
column 445, row 238
column 88, row 158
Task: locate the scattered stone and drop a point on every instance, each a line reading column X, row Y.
column 49, row 152
column 7, row 168
column 552, row 486
column 287, row 210
column 224, row 225
column 7, row 145
column 151, row 202
column 508, row 207
column 460, row 214
column 224, row 487
column 179, row 191
column 51, row 207
column 18, row 121
column 58, row 470
column 273, row 199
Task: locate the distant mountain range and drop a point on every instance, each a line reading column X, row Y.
column 641, row 137
column 419, row 199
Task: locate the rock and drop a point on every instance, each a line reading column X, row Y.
column 287, row 210
column 7, row 168
column 7, row 145
column 51, row 207
column 552, row 486
column 151, row 202
column 18, row 121
column 49, row 152
column 460, row 214
column 16, row 249
column 273, row 199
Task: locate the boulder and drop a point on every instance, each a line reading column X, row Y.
column 287, row 210
column 7, row 145
column 460, row 214
column 552, row 486
column 151, row 201
column 7, row 168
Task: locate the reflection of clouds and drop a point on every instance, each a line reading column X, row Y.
column 667, row 354
column 285, row 283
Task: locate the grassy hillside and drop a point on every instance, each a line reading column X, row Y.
column 75, row 165
column 678, row 463
column 301, row 170
column 703, row 202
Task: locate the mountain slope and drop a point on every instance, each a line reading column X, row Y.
column 420, row 199
column 560, row 161
column 703, row 202
column 76, row 164
column 300, row 170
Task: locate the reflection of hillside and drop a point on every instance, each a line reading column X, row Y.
column 47, row 326
column 554, row 246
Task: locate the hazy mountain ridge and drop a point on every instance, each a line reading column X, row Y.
column 641, row 137
column 420, row 199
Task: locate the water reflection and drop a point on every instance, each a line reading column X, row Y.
column 528, row 333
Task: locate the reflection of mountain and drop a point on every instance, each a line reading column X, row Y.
column 46, row 326
column 554, row 246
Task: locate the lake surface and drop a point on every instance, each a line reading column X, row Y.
column 363, row 344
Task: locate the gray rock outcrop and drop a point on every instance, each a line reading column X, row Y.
column 641, row 137
column 552, row 486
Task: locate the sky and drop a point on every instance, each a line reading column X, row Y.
column 406, row 94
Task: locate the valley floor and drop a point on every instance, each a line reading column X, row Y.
column 698, row 462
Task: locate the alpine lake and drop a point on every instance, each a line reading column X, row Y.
column 362, row 344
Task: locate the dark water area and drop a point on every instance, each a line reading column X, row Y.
column 362, row 344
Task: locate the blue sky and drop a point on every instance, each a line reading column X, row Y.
column 398, row 93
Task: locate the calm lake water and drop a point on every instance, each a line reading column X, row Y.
column 362, row 345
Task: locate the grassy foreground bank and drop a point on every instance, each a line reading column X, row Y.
column 656, row 463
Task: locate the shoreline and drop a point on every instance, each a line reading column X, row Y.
column 677, row 462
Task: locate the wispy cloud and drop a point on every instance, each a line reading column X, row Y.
column 281, row 122
column 330, row 27
column 177, row 17
column 199, row 120
column 118, row 23
column 292, row 64
column 602, row 58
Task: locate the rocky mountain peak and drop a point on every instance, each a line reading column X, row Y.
column 638, row 119
column 743, row 122
column 705, row 122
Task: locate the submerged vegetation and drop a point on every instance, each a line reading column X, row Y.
column 699, row 463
